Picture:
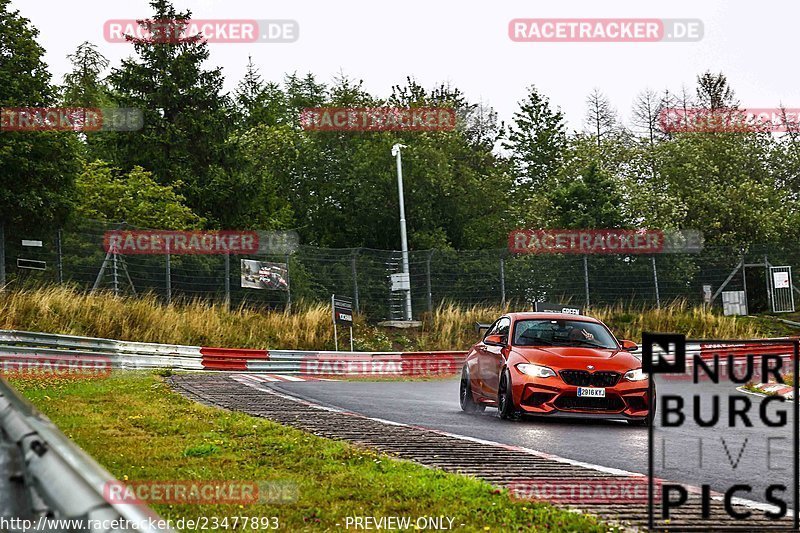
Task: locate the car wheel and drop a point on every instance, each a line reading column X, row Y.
column 505, row 398
column 651, row 413
column 468, row 403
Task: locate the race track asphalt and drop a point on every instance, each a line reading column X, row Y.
column 757, row 455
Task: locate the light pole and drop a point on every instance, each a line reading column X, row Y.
column 403, row 237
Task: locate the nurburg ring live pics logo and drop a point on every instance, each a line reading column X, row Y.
column 738, row 451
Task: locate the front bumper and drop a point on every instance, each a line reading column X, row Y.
column 552, row 396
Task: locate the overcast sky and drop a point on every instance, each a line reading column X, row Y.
column 466, row 42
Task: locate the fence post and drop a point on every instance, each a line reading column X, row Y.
column 744, row 284
column 288, row 286
column 2, row 256
column 503, row 281
column 655, row 281
column 116, row 275
column 169, row 276
column 770, row 304
column 586, row 277
column 428, row 280
column 228, row 279
column 59, row 262
column 355, row 279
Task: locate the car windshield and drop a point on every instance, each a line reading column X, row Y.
column 556, row 332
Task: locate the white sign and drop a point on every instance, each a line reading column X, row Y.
column 707, row 294
column 400, row 282
column 38, row 244
column 781, row 280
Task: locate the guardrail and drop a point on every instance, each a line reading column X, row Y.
column 45, row 480
column 23, row 347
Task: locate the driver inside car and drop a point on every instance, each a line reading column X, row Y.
column 580, row 334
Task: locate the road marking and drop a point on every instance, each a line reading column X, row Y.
column 598, row 468
column 254, row 379
column 291, row 378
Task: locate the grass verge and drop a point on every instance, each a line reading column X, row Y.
column 137, row 428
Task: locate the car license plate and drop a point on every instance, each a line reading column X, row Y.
column 591, row 392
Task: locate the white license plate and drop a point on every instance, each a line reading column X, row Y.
column 591, row 392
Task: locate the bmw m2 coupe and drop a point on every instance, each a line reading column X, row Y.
column 556, row 364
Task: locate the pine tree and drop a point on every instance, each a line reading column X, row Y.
column 186, row 115
column 537, row 139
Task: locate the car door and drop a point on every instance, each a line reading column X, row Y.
column 482, row 367
column 494, row 359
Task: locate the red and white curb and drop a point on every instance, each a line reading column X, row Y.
column 770, row 389
column 257, row 379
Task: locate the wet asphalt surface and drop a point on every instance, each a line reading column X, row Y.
column 719, row 456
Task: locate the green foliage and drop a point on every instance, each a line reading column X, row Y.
column 186, row 116
column 104, row 193
column 37, row 169
column 244, row 161
column 84, row 85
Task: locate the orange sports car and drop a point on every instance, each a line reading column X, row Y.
column 556, row 364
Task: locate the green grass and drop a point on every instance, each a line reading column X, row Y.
column 137, row 428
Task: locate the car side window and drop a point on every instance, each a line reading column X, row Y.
column 492, row 329
column 503, row 327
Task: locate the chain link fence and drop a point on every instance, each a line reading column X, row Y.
column 75, row 256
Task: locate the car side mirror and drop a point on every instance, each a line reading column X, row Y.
column 494, row 340
column 629, row 346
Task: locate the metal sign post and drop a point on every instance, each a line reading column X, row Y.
column 342, row 309
column 333, row 315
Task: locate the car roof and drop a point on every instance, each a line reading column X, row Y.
column 551, row 316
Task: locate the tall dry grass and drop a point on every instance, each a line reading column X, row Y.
column 450, row 327
column 61, row 310
column 453, row 327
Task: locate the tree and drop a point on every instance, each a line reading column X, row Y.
column 37, row 169
column 587, row 196
column 186, row 115
column 601, row 118
column 84, row 85
column 714, row 93
column 537, row 139
column 258, row 102
column 106, row 194
column 647, row 117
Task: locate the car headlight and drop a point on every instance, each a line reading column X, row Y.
column 536, row 370
column 635, row 375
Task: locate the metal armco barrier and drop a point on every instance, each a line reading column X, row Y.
column 121, row 354
column 43, row 474
column 23, row 347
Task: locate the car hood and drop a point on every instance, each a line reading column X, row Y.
column 572, row 357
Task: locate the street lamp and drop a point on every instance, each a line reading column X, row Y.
column 403, row 237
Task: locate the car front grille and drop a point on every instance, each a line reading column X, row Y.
column 609, row 403
column 582, row 378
